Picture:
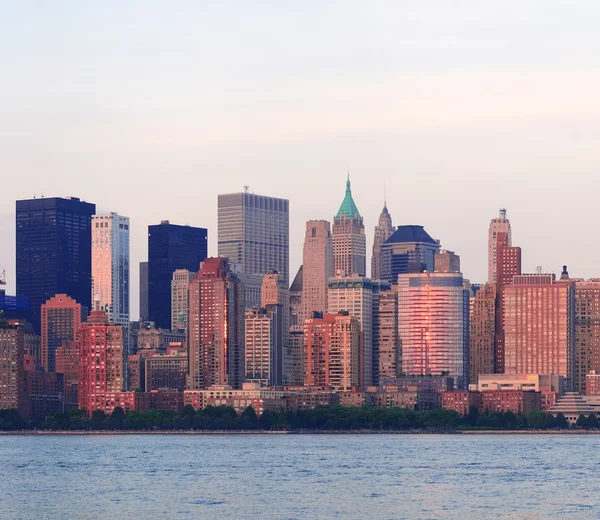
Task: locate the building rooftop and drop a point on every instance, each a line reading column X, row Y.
column 410, row 234
column 298, row 281
column 348, row 208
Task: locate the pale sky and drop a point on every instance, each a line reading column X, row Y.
column 152, row 108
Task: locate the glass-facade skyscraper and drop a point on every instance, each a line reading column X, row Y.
column 433, row 325
column 54, row 251
column 254, row 233
column 171, row 247
column 110, row 266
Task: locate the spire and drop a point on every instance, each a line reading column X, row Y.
column 384, row 194
column 348, row 207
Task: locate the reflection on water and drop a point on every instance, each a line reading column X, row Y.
column 299, row 476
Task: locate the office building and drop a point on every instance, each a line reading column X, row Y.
column 110, row 266
column 296, row 317
column 359, row 297
column 539, row 326
column 433, row 325
column 254, row 233
column 446, row 262
column 383, row 230
column 180, row 298
column 317, row 267
column 170, row 247
column 167, row 370
column 100, row 363
column 61, row 319
column 409, row 248
column 144, row 291
column 54, row 251
column 349, row 239
column 293, row 359
column 215, row 327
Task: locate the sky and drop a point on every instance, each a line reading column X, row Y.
column 152, row 108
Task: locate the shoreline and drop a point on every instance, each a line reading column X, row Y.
column 302, row 432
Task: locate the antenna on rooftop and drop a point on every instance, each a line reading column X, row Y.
column 539, row 269
column 502, row 212
column 246, row 188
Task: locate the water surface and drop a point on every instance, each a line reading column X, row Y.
column 299, row 476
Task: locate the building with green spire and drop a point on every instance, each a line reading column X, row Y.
column 349, row 239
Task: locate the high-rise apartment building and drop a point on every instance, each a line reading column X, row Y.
column 110, row 266
column 100, row 363
column 349, row 239
column 383, row 230
column 389, row 350
column 317, row 267
column 264, row 345
column 170, row 247
column 539, row 326
column 358, row 296
column 433, row 325
column 216, row 327
column 446, row 262
column 54, row 251
column 587, row 331
column 409, row 248
column 332, row 350
column 61, row 319
column 180, row 298
column 507, row 266
column 144, row 313
column 67, row 364
column 254, row 233
column 500, row 224
column 482, row 332
column 12, row 369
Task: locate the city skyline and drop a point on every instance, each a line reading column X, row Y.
column 472, row 107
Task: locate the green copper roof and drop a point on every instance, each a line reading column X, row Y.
column 348, row 208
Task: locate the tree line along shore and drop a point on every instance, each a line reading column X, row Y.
column 320, row 419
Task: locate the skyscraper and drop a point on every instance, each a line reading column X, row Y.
column 12, row 371
column 264, row 345
column 110, row 266
column 409, row 248
column 389, row 351
column 170, row 247
column 508, row 265
column 539, row 326
column 433, row 325
column 254, row 233
column 296, row 317
column 482, row 332
column 359, row 297
column 143, row 291
column 332, row 350
column 587, row 331
column 61, row 319
column 216, row 327
column 54, row 251
column 100, row 363
column 317, row 267
column 497, row 225
column 349, row 240
column 180, row 298
column 383, row 230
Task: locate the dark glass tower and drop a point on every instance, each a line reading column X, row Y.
column 54, row 251
column 171, row 247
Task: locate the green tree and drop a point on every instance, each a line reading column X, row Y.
column 582, row 421
column 267, row 419
column 248, row 419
